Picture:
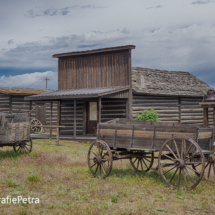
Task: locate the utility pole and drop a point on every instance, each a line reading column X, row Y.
column 46, row 81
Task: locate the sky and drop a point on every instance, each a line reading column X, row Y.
column 170, row 35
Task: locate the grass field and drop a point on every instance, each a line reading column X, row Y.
column 60, row 178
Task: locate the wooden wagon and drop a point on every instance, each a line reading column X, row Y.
column 184, row 151
column 15, row 131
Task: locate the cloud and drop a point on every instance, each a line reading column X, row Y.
column 92, row 7
column 9, row 42
column 156, row 7
column 50, row 12
column 201, row 2
column 34, row 80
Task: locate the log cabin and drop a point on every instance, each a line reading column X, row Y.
column 12, row 101
column 99, row 85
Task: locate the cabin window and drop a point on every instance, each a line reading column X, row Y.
column 93, row 111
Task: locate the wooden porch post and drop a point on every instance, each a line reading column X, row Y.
column 74, row 119
column 84, row 118
column 30, row 105
column 51, row 104
column 205, row 116
column 99, row 109
column 58, row 122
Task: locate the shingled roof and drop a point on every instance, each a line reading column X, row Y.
column 162, row 82
column 21, row 90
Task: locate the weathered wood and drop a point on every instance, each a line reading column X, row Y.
column 74, row 118
column 51, row 104
column 205, row 116
column 58, row 122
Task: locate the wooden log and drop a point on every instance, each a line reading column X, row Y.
column 58, row 122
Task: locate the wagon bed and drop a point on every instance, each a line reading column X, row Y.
column 184, row 151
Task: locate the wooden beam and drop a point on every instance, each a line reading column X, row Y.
column 84, row 118
column 205, row 116
column 74, row 118
column 130, row 97
column 51, row 104
column 99, row 109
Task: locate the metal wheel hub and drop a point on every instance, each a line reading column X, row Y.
column 179, row 163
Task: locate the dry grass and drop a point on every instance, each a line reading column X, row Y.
column 65, row 186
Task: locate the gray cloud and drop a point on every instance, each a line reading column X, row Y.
column 49, row 12
column 92, row 7
column 9, row 42
column 156, row 7
column 201, row 2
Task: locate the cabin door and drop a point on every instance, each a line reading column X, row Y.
column 92, row 115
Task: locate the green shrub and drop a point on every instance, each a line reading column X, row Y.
column 12, row 183
column 114, row 196
column 33, row 177
column 148, row 115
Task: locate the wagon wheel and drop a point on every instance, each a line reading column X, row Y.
column 23, row 147
column 36, row 129
column 175, row 160
column 143, row 162
column 209, row 166
column 100, row 159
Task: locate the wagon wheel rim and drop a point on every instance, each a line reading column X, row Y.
column 36, row 122
column 23, row 147
column 176, row 159
column 143, row 162
column 100, row 159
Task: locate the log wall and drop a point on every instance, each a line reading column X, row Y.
column 67, row 117
column 172, row 109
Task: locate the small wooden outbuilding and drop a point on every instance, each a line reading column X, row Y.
column 99, row 85
column 12, row 100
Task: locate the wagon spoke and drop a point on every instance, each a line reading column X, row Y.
column 168, row 157
column 145, row 163
column 93, row 165
column 179, row 175
column 100, row 171
column 27, row 149
column 106, row 165
column 209, row 171
column 93, row 153
column 169, row 170
column 198, row 165
column 182, row 148
column 173, row 175
column 189, row 163
column 193, row 170
column 207, row 164
column 191, row 156
column 189, row 174
column 138, row 163
column 176, row 147
column 185, row 178
column 171, row 151
column 167, row 164
column 134, row 161
column 188, row 149
column 103, row 169
column 96, row 168
column 146, row 159
column 141, row 164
